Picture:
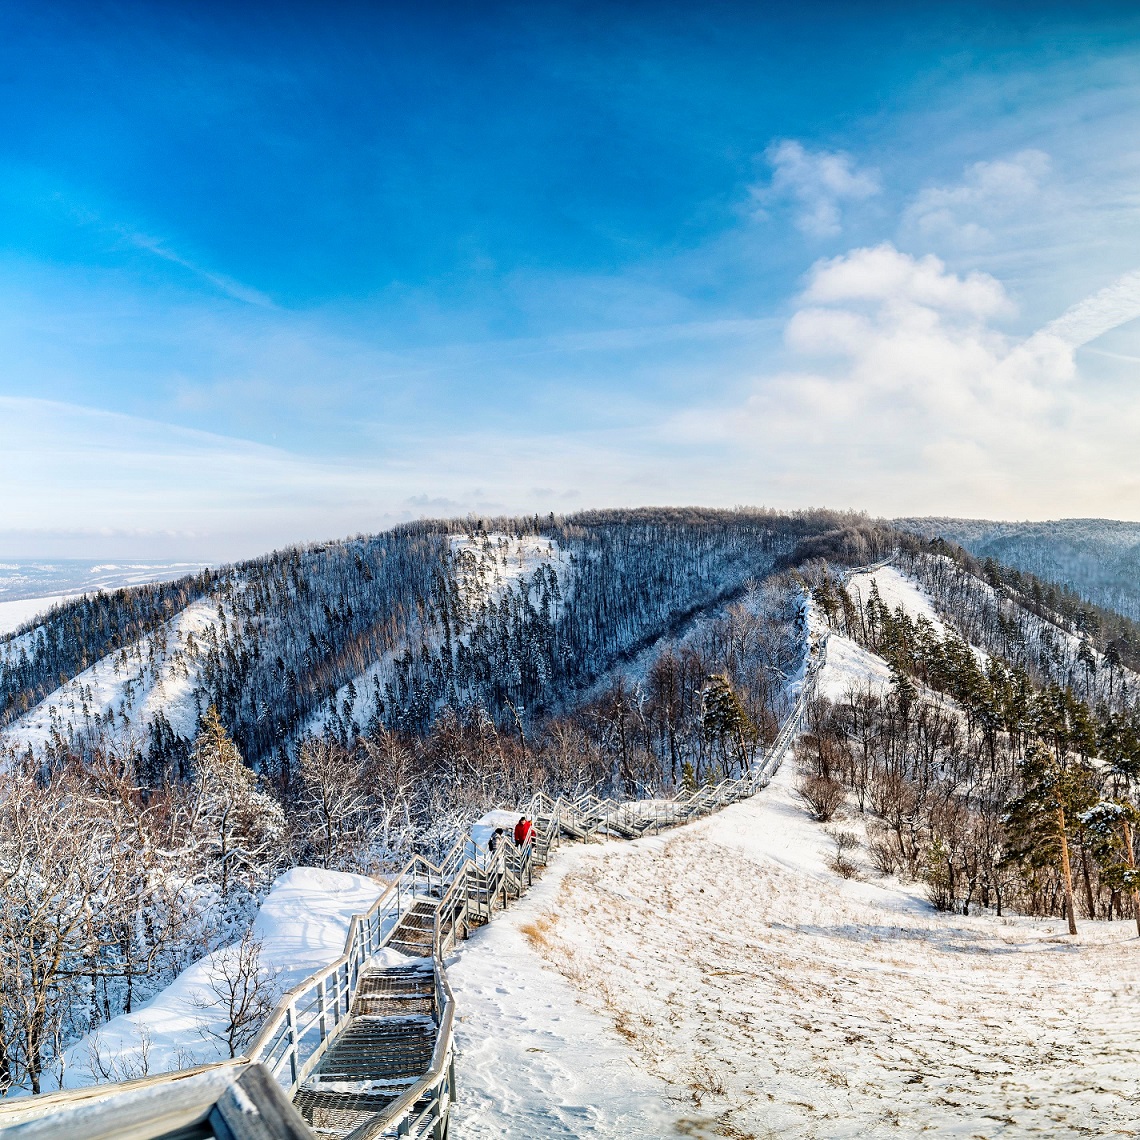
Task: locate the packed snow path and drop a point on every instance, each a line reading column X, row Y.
column 770, row 996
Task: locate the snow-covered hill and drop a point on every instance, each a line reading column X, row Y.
column 124, row 692
column 762, row 993
column 1098, row 558
column 484, row 568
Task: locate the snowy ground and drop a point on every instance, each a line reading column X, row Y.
column 771, row 996
column 532, row 1060
column 896, row 589
column 302, row 926
column 729, row 984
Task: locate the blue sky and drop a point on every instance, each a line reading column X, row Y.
column 279, row 273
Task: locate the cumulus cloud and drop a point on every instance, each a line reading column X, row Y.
column 989, row 193
column 818, row 182
column 907, row 393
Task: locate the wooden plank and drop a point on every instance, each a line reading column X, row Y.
column 255, row 1108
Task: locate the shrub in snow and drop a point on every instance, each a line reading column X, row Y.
column 822, row 795
column 242, row 995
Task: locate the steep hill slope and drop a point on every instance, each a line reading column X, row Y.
column 503, row 615
column 1097, row 558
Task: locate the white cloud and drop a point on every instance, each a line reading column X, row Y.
column 988, row 194
column 912, row 398
column 818, row 182
column 1108, row 308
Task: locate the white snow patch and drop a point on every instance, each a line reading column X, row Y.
column 21, row 611
column 850, row 666
column 486, row 565
column 897, row 589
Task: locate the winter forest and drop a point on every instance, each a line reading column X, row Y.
column 168, row 750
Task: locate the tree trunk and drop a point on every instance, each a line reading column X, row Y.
column 1132, row 867
column 1066, row 871
column 1088, row 883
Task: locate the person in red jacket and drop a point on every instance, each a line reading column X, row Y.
column 524, row 830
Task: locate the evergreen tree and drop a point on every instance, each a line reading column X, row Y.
column 238, row 828
column 1040, row 819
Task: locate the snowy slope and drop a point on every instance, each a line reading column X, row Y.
column 896, row 589
column 302, row 926
column 485, row 567
column 771, row 996
column 157, row 673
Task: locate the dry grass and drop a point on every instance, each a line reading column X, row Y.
column 537, row 932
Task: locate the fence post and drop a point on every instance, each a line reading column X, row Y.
column 322, row 1004
column 291, row 1025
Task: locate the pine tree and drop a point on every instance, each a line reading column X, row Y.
column 1039, row 820
column 724, row 718
column 239, row 827
column 1111, row 824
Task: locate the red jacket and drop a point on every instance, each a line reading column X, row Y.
column 524, row 829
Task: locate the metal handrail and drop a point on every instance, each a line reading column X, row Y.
column 320, row 1006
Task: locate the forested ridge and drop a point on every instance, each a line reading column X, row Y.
column 1099, row 559
column 293, row 628
column 129, row 849
column 347, row 703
